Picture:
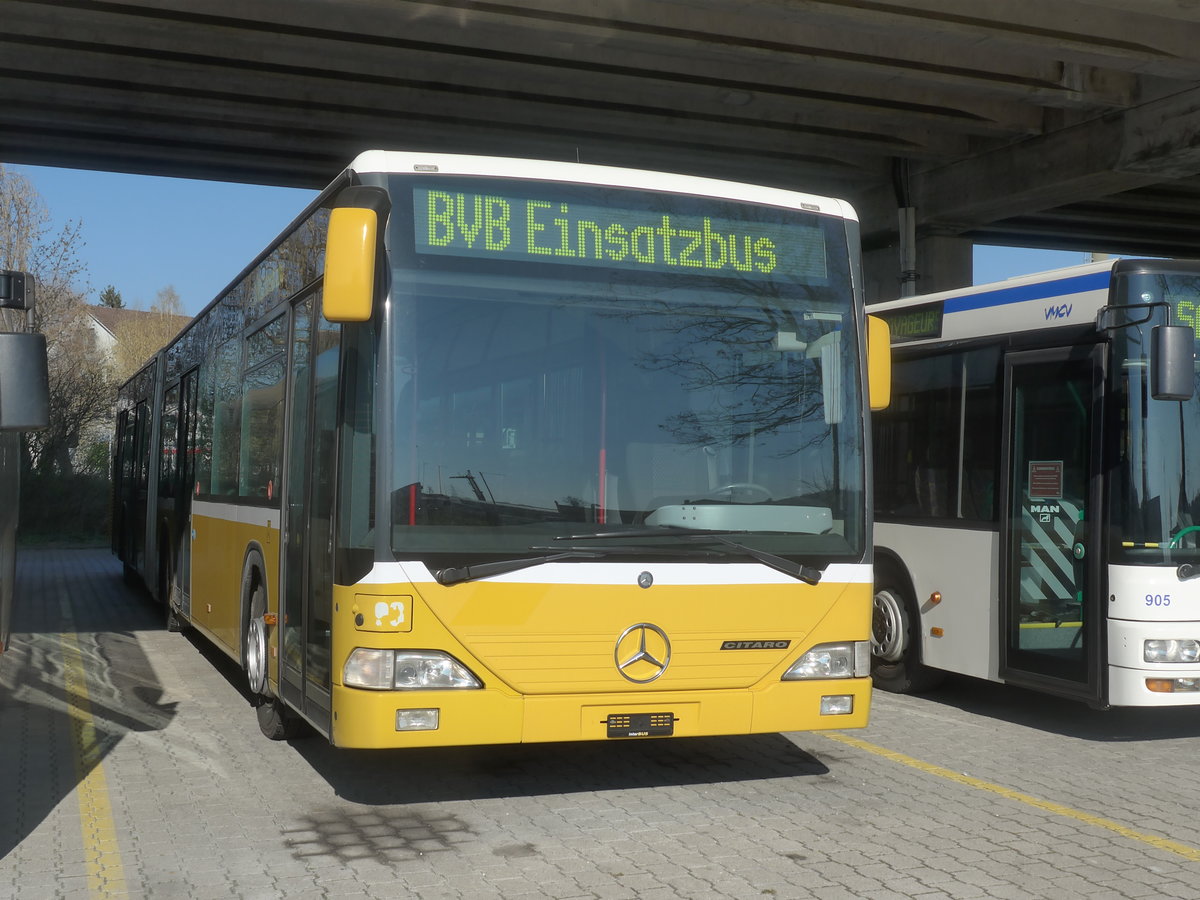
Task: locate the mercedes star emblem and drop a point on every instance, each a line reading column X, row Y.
column 642, row 653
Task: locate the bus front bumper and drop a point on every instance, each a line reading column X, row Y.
column 1132, row 681
column 382, row 719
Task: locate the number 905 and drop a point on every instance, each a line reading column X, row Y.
column 1158, row 599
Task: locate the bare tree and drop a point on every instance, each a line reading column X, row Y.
column 23, row 220
column 167, row 302
column 141, row 335
column 81, row 385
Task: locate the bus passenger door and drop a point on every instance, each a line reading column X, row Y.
column 187, row 490
column 307, row 570
column 140, row 489
column 1051, row 602
column 123, row 488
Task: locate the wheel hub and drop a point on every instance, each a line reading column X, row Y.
column 256, row 655
column 887, row 627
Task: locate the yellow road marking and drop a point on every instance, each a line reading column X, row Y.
column 106, row 875
column 1185, row 850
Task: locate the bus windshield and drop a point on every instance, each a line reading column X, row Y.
column 571, row 360
column 1156, row 508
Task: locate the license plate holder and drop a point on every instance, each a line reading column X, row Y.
column 636, row 725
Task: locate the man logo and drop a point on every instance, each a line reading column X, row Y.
column 642, row 653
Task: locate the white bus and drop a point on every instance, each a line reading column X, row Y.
column 1037, row 486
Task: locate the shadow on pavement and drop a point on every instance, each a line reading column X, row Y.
column 1059, row 715
column 69, row 601
column 382, row 777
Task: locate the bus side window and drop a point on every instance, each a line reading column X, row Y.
column 227, row 415
column 917, row 440
column 168, row 449
column 981, row 438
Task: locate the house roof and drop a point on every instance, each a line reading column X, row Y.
column 111, row 318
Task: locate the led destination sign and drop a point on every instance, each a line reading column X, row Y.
column 508, row 227
column 914, row 323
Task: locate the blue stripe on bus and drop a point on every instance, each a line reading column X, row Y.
column 1075, row 285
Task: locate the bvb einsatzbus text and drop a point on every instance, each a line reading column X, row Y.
column 493, row 226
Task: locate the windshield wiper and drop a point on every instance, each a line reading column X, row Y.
column 807, row 574
column 457, row 575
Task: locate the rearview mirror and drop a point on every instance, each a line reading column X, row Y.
column 1173, row 362
column 24, row 382
column 879, row 362
column 351, row 254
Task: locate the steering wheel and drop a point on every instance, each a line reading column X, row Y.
column 742, row 492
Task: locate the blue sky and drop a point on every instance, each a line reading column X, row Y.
column 145, row 233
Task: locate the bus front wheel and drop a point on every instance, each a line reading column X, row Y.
column 896, row 641
column 275, row 720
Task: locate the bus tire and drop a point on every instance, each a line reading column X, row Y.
column 278, row 722
column 275, row 720
column 896, row 639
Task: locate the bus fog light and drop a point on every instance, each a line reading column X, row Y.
column 840, row 660
column 368, row 668
column 837, row 705
column 1173, row 685
column 417, row 719
column 1167, row 651
column 431, row 670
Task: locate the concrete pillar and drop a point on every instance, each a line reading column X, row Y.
column 942, row 263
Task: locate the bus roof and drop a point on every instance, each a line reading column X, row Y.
column 1061, row 297
column 408, row 162
column 1069, row 296
column 1010, row 287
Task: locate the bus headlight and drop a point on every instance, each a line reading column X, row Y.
column 367, row 668
column 1185, row 651
column 406, row 670
column 849, row 659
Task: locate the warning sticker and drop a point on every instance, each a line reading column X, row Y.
column 1046, row 479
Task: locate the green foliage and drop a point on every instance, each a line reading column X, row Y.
column 93, row 460
column 110, row 296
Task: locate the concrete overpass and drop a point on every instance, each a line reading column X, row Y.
column 1070, row 124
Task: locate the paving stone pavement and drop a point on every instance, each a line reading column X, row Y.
column 151, row 779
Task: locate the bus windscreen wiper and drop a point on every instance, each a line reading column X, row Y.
column 807, row 574
column 457, row 575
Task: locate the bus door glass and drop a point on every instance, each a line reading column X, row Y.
column 188, row 488
column 168, row 490
column 1051, row 604
column 123, row 478
column 308, row 570
column 141, row 486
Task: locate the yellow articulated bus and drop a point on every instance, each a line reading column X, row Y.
column 490, row 451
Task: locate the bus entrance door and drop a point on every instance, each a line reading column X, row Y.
column 307, row 570
column 1051, row 615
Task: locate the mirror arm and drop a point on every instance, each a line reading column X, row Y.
column 1101, row 315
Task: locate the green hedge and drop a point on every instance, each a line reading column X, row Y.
column 65, row 508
